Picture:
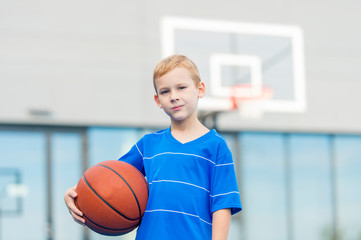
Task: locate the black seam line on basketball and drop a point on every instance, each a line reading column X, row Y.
column 144, row 180
column 100, row 226
column 135, row 196
column 112, row 229
column 128, row 218
column 146, row 183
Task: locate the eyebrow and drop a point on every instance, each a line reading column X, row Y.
column 163, row 88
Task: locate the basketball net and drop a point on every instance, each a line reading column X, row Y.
column 249, row 102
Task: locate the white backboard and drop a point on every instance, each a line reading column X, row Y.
column 229, row 53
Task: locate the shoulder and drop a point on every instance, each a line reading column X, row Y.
column 219, row 144
column 148, row 140
column 217, row 139
column 212, row 144
column 153, row 136
column 218, row 136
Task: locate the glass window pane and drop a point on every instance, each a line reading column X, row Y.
column 235, row 231
column 263, row 186
column 66, row 171
column 311, row 189
column 110, row 144
column 24, row 151
column 348, row 186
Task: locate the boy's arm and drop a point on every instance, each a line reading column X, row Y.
column 220, row 224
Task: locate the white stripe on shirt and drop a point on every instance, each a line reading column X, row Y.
column 219, row 136
column 159, row 132
column 177, row 153
column 221, row 194
column 172, row 181
column 188, row 214
column 224, row 164
column 139, row 150
column 156, row 181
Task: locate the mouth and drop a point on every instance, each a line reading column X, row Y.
column 177, row 108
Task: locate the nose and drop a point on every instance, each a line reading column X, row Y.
column 174, row 96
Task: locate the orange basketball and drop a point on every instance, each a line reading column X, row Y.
column 112, row 196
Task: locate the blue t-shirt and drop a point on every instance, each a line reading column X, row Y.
column 187, row 183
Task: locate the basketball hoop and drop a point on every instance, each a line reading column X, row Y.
column 248, row 100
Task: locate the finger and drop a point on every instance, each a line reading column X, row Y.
column 69, row 199
column 73, row 194
column 77, row 218
column 70, row 195
column 73, row 209
column 81, row 222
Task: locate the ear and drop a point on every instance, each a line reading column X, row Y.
column 201, row 90
column 156, row 99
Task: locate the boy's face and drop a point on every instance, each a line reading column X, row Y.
column 178, row 95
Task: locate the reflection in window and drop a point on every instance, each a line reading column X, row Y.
column 311, row 189
column 24, row 151
column 263, row 181
column 66, row 171
column 348, row 186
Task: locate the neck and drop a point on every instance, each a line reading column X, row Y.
column 188, row 131
column 184, row 127
column 190, row 124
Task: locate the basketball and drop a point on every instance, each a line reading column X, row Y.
column 112, row 196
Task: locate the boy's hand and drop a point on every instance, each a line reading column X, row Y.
column 69, row 197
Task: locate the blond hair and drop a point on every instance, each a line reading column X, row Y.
column 171, row 62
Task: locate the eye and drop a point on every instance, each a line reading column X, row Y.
column 164, row 92
column 182, row 87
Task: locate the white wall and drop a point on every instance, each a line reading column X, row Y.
column 91, row 62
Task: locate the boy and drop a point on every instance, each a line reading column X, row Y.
column 192, row 184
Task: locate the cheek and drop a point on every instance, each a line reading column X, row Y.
column 192, row 98
column 163, row 100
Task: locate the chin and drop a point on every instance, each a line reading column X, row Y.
column 178, row 118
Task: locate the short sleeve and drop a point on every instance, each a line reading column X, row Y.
column 224, row 192
column 135, row 156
